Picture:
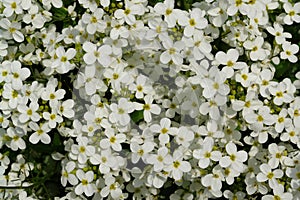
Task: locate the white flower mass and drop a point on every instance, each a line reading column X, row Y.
column 141, row 99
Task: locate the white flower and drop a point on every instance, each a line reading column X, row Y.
column 184, row 136
column 172, row 52
column 112, row 187
column 214, row 179
column 85, row 186
column 12, row 30
column 49, row 94
column 93, row 54
column 292, row 13
column 195, row 21
column 11, row 7
column 34, row 17
column 167, row 10
column 229, row 59
column 22, row 166
column 267, row 174
column 16, row 141
column 218, row 13
column 89, row 81
column 257, row 120
column 277, row 156
column 67, row 176
column 66, row 108
column 157, row 27
column 40, row 133
column 94, row 21
column 29, row 113
column 55, row 3
column 113, row 140
column 235, row 6
column 289, row 50
column 164, row 130
column 256, row 50
column 141, row 87
column 82, row 151
column 234, row 159
column 277, row 31
column 105, row 160
column 62, row 63
column 18, row 74
column 52, row 118
column 294, row 112
column 291, row 134
column 140, row 151
column 282, row 121
column 3, row 49
column 120, row 112
column 13, row 96
column 199, row 44
column 279, row 193
column 117, row 76
column 234, row 196
column 131, row 9
column 205, row 154
column 160, row 160
column 280, row 93
column 178, row 166
column 149, row 108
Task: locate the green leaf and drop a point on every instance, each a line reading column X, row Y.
column 137, row 116
column 59, row 13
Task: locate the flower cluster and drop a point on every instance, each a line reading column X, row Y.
column 139, row 101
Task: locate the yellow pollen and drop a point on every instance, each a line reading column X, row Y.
column 115, row 76
column 192, row 22
column 40, row 132
column 232, row 157
column 172, row 51
column 82, row 149
column 230, row 63
column 146, row 107
column 4, row 73
column 13, row 5
column 63, row 59
column 16, row 75
column 127, row 11
column 84, row 182
column 244, row 76
column 113, row 139
column 207, row 155
column 164, row 131
column 29, row 112
column 121, row 111
column 52, row 116
column 280, row 119
column 288, row 53
column 52, row 96
column 279, row 94
column 94, row 19
column 140, row 152
column 14, row 94
column 216, row 86
column 168, row 11
column 270, row 175
column 260, row 118
column 139, row 88
column 176, row 164
column 292, row 13
column 160, row 158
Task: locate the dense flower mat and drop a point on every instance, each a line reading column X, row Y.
column 133, row 99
